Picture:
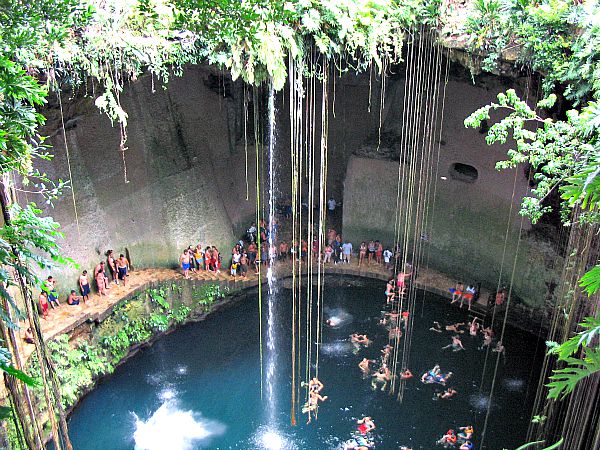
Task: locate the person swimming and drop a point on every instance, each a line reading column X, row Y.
column 456, row 344
column 381, row 378
column 405, row 374
column 448, row 440
column 364, row 365
column 448, row 393
column 467, row 433
column 455, row 327
column 365, row 425
column 435, row 376
column 358, row 443
column 436, row 327
column 359, row 340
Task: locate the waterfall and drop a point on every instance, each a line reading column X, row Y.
column 271, row 354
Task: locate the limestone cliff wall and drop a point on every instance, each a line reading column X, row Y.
column 473, row 226
column 189, row 171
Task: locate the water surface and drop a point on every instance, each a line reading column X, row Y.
column 199, row 387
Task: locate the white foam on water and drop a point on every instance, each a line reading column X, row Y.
column 181, row 369
column 271, row 439
column 479, row 402
column 170, row 427
column 514, row 384
column 337, row 348
column 337, row 317
column 167, row 393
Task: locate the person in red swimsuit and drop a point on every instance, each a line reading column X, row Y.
column 365, row 425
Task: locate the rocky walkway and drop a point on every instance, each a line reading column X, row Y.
column 66, row 318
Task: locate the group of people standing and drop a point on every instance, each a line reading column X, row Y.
column 117, row 267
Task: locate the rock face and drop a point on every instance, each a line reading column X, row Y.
column 472, row 224
column 190, row 168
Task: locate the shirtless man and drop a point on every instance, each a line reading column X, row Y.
column 448, row 393
column 315, row 386
column 184, row 261
column 84, row 286
column 112, row 267
column 456, row 344
column 405, row 374
column 358, row 340
column 474, row 327
column 455, row 327
column 364, row 366
column 123, row 267
column 381, row 377
column 73, row 298
column 389, row 291
column 243, row 269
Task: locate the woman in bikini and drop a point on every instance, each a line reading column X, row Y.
column 362, row 253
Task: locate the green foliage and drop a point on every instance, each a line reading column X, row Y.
column 207, row 295
column 560, row 152
column 158, row 322
column 536, row 443
column 564, row 380
column 253, row 38
column 591, row 280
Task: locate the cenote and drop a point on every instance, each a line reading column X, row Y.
column 199, row 387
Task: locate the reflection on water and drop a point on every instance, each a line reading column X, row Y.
column 170, row 427
column 337, row 348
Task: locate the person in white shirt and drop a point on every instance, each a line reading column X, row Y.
column 387, row 255
column 347, row 252
column 331, row 204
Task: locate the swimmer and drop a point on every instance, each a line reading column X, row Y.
column 448, row 439
column 395, row 333
column 405, row 316
column 385, row 354
column 401, row 281
column 448, row 393
column 389, row 291
column 467, row 433
column 314, row 397
column 430, row 374
column 312, row 405
column 381, row 377
column 468, row 445
column 333, row 322
column 436, row 327
column 455, row 327
column 456, row 345
column 488, row 334
column 365, row 425
column 364, row 365
column 405, row 374
column 474, row 327
column 315, row 385
column 358, row 443
column 358, row 340
column 499, row 348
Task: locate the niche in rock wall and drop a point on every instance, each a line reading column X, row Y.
column 463, row 172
